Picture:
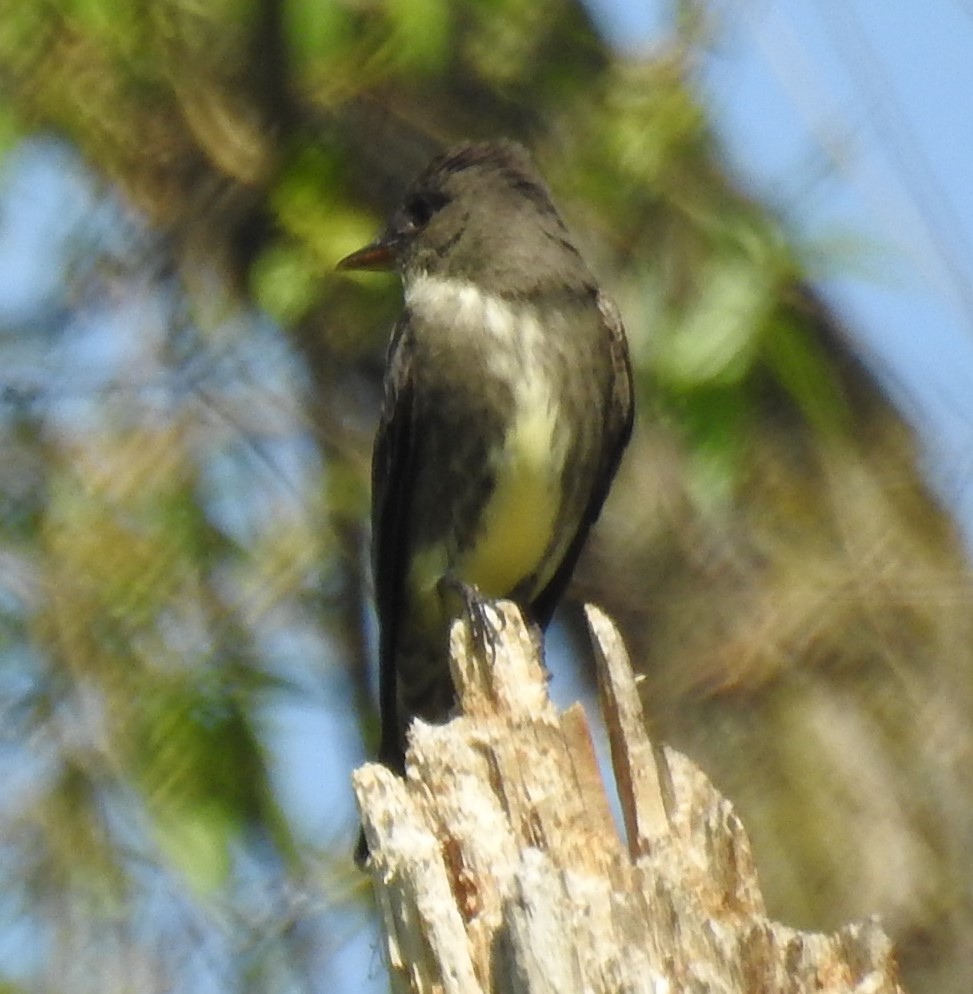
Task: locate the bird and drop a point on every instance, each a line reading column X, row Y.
column 508, row 402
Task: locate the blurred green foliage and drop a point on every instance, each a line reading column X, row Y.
column 182, row 515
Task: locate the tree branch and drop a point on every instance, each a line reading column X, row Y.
column 498, row 867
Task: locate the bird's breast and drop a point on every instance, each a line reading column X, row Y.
column 515, row 532
column 517, row 523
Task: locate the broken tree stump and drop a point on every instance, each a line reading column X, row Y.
column 498, row 867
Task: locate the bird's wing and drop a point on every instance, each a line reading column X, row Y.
column 619, row 415
column 393, row 475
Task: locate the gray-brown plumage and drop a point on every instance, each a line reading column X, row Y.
column 508, row 403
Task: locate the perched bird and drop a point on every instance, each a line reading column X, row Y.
column 508, row 403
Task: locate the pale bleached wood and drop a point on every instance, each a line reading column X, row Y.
column 498, row 868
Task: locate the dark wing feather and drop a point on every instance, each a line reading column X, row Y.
column 393, row 472
column 620, row 415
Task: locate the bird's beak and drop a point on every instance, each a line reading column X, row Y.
column 378, row 255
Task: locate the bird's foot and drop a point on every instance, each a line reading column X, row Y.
column 479, row 620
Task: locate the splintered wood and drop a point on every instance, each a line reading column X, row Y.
column 498, row 867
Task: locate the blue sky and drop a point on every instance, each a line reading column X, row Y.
column 853, row 118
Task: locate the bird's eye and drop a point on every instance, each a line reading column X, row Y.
column 420, row 209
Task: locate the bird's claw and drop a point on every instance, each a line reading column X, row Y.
column 481, row 622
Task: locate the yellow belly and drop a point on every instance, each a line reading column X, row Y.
column 518, row 522
column 516, row 526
